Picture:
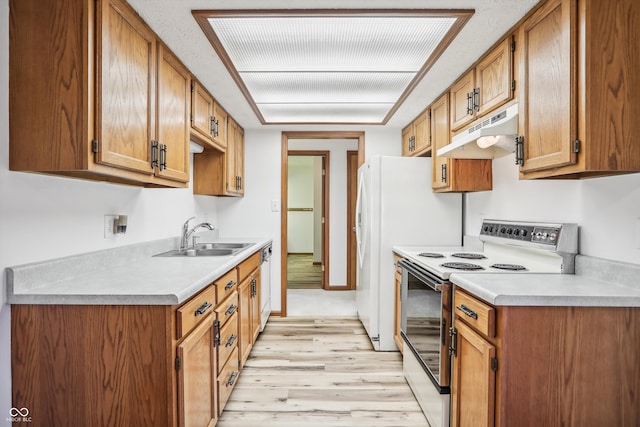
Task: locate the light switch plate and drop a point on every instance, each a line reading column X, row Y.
column 108, row 226
column 275, row 206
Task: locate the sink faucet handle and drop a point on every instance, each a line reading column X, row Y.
column 193, row 240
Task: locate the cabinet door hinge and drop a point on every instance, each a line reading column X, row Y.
column 513, row 45
column 513, row 85
column 430, row 138
column 94, row 145
column 494, row 364
column 193, row 87
column 453, row 347
column 178, row 363
column 323, row 268
column 576, row 146
column 520, row 150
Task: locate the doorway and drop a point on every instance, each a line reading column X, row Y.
column 284, row 219
column 308, row 218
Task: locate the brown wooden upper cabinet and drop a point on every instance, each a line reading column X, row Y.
column 487, row 86
column 454, row 175
column 94, row 94
column 416, row 137
column 579, row 76
column 208, row 119
column 217, row 173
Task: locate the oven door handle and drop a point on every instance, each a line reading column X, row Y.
column 424, row 276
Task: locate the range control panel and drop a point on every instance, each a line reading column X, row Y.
column 525, row 232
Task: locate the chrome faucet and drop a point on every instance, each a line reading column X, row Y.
column 186, row 233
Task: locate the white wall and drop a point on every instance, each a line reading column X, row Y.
column 607, row 209
column 300, row 227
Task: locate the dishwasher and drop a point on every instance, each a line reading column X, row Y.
column 265, row 285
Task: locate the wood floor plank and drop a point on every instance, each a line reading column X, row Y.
column 320, row 372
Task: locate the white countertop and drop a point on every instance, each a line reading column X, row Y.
column 597, row 283
column 128, row 275
column 547, row 290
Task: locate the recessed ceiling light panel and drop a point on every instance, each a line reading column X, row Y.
column 329, row 66
column 348, row 43
column 326, row 87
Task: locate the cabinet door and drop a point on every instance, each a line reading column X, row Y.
column 547, row 120
column 244, row 327
column 474, row 381
column 230, row 161
column 494, row 75
column 422, row 128
column 398, row 310
column 196, row 377
column 126, row 88
column 219, row 125
column 440, row 137
column 201, row 112
column 407, row 140
column 462, row 101
column 255, row 307
column 240, row 159
column 173, row 117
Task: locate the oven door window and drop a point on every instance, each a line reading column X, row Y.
column 424, row 323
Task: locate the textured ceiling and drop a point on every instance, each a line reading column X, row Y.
column 174, row 23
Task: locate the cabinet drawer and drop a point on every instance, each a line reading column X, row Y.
column 248, row 265
column 228, row 341
column 479, row 315
column 227, row 308
column 226, row 285
column 195, row 310
column 227, row 380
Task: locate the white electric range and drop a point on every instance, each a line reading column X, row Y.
column 509, row 247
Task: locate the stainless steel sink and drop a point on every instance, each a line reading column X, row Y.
column 219, row 245
column 207, row 249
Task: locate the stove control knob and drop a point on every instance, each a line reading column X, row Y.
column 553, row 236
column 524, row 233
column 516, row 232
column 502, row 230
column 509, row 230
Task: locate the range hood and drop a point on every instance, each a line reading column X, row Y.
column 492, row 137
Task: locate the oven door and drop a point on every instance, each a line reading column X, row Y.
column 425, row 321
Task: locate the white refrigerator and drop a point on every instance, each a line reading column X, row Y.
column 396, row 207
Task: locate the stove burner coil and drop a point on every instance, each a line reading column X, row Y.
column 431, row 255
column 461, row 266
column 467, row 255
column 513, row 267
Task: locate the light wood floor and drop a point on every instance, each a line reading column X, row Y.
column 302, row 273
column 322, row 372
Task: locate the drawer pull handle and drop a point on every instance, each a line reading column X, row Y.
column 466, row 310
column 231, row 340
column 232, row 379
column 204, row 307
column 232, row 308
column 230, row 285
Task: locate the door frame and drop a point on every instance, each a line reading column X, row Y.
column 284, row 194
column 352, row 191
column 325, row 206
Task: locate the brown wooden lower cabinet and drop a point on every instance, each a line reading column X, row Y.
column 545, row 366
column 129, row 365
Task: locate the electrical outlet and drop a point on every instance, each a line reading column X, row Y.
column 109, row 221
